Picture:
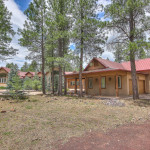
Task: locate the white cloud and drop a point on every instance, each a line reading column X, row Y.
column 104, row 2
column 108, row 55
column 17, row 21
column 18, row 17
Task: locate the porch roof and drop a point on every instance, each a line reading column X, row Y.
column 93, row 71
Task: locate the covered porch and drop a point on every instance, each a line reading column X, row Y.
column 105, row 83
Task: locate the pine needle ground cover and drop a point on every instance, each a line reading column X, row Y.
column 43, row 122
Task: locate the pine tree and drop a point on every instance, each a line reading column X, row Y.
column 128, row 18
column 6, row 33
column 27, row 84
column 34, row 34
column 25, row 67
column 12, row 65
column 86, row 34
column 119, row 52
column 11, row 75
column 59, row 21
column 15, row 84
column 33, row 66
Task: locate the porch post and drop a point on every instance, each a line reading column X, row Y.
column 117, row 85
column 75, row 86
column 86, row 86
column 100, row 93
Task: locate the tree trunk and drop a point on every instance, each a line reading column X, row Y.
column 52, row 77
column 43, row 60
column 81, row 57
column 65, row 84
column 134, row 79
column 60, row 69
column 132, row 59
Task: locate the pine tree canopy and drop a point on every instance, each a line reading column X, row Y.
column 6, row 33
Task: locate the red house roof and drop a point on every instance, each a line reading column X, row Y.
column 33, row 73
column 20, row 73
column 141, row 65
column 6, row 69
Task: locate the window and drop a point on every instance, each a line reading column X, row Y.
column 103, row 82
column 2, row 80
column 72, row 83
column 77, row 82
column 90, row 83
column 119, row 82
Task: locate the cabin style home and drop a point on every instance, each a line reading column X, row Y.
column 5, row 71
column 108, row 78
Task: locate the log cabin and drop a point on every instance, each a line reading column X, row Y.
column 108, row 78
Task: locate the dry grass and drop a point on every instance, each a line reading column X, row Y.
column 42, row 122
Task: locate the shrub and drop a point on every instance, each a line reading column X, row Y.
column 36, row 84
column 2, row 88
column 27, row 84
column 14, row 85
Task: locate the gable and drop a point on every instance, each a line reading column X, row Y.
column 2, row 70
column 94, row 65
column 40, row 74
column 29, row 74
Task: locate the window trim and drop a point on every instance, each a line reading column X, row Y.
column 105, row 82
column 3, row 80
column 92, row 83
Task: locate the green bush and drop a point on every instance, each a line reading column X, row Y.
column 32, row 84
column 36, row 84
column 2, row 88
column 14, row 85
column 27, row 84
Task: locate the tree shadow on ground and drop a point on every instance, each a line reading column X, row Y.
column 142, row 102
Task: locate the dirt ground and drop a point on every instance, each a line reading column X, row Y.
column 48, row 122
column 28, row 92
column 130, row 137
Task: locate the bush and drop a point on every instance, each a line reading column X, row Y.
column 2, row 88
column 36, row 84
column 17, row 95
column 32, row 84
column 27, row 84
column 14, row 85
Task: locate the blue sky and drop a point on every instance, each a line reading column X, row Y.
column 23, row 4
column 17, row 7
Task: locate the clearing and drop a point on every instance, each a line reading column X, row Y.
column 48, row 122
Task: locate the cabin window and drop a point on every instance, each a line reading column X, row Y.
column 119, row 82
column 90, row 83
column 2, row 80
column 72, row 83
column 103, row 82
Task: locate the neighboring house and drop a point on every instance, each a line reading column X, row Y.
column 4, row 76
column 5, row 71
column 108, row 78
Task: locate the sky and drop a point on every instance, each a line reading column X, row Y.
column 17, row 7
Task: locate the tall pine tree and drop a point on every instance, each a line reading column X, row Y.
column 86, row 35
column 59, row 41
column 128, row 18
column 34, row 34
column 6, row 33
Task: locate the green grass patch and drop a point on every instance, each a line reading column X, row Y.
column 28, row 107
column 7, row 133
